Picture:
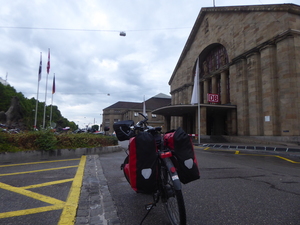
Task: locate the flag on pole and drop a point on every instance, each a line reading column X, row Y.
column 195, row 94
column 144, row 107
column 53, row 86
column 40, row 68
column 48, row 64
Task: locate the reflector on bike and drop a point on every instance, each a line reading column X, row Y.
column 164, row 155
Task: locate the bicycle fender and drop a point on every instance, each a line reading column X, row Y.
column 174, row 175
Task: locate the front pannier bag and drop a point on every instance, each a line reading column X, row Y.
column 187, row 165
column 122, row 129
column 143, row 163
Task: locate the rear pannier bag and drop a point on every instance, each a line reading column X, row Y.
column 143, row 163
column 122, row 129
column 186, row 162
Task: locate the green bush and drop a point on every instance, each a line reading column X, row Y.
column 47, row 140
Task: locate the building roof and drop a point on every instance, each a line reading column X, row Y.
column 161, row 95
column 157, row 101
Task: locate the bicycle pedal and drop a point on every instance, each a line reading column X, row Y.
column 149, row 206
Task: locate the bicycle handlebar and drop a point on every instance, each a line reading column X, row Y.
column 142, row 122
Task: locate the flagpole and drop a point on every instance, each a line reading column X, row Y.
column 48, row 67
column 37, row 95
column 199, row 113
column 144, row 107
column 53, row 91
column 196, row 96
column 45, row 102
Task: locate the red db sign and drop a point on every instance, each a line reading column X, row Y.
column 213, row 98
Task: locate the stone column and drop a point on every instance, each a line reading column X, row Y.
column 240, row 97
column 288, row 87
column 205, row 91
column 176, row 98
column 214, row 84
column 223, row 87
column 233, row 122
column 269, row 93
column 203, row 129
column 254, row 94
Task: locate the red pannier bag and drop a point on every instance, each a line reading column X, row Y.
column 142, row 166
column 185, row 158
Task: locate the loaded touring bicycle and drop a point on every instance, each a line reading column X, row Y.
column 157, row 164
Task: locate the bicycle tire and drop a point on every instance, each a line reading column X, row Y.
column 173, row 199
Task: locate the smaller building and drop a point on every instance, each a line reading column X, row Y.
column 130, row 111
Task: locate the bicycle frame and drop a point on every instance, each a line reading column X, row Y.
column 166, row 158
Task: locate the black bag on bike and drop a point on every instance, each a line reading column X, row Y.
column 186, row 162
column 122, row 129
column 143, row 163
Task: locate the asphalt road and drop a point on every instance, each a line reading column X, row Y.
column 233, row 189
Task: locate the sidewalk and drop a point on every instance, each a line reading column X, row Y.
column 96, row 206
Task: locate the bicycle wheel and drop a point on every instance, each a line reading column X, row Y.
column 172, row 200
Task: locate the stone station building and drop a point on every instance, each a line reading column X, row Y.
column 249, row 72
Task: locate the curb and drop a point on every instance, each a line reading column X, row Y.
column 247, row 147
column 9, row 157
column 254, row 149
column 96, row 206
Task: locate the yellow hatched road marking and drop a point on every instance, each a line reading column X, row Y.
column 31, row 211
column 47, row 183
column 36, row 171
column 31, row 194
column 69, row 211
column 31, row 163
column 69, row 207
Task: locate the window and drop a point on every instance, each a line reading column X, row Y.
column 136, row 114
column 116, row 120
column 153, row 115
column 214, row 60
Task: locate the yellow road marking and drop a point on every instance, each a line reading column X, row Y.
column 286, row 159
column 31, row 194
column 31, row 163
column 277, row 156
column 238, row 153
column 31, row 211
column 36, row 171
column 69, row 211
column 56, row 204
column 47, row 184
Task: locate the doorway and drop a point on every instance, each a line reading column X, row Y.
column 216, row 121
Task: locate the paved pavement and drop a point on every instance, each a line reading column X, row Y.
column 96, row 205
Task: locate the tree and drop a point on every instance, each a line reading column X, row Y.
column 28, row 109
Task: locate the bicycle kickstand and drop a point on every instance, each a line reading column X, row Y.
column 148, row 207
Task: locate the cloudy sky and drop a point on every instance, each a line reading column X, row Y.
column 94, row 66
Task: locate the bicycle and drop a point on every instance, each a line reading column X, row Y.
column 167, row 182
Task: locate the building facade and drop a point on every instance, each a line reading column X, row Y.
column 130, row 111
column 249, row 73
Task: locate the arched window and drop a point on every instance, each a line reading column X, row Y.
column 214, row 59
